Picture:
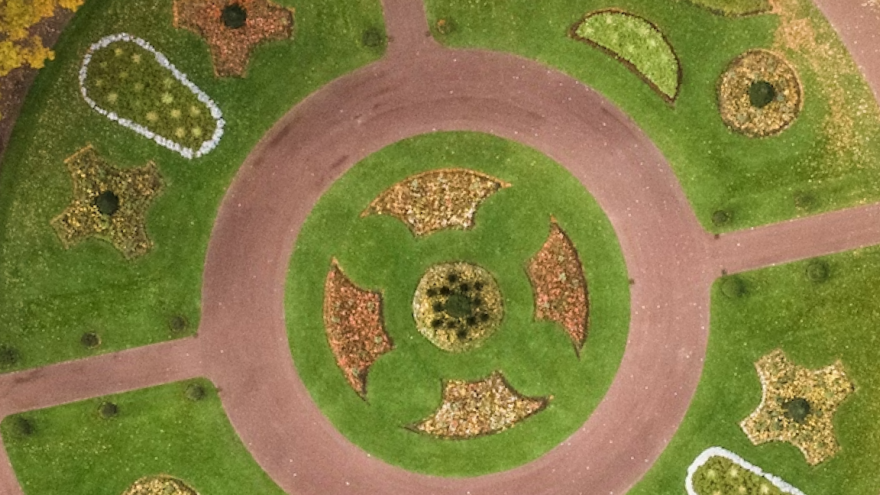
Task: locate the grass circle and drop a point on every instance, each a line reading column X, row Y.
column 379, row 253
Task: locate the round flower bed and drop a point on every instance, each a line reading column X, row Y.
column 457, row 306
column 759, row 94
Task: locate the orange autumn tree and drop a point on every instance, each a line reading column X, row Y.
column 18, row 47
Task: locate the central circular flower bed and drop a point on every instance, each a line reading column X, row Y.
column 457, row 306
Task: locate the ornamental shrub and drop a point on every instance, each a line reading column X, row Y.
column 108, row 410
column 817, row 271
column 721, row 217
column 23, row 426
column 177, row 323
column 733, row 287
column 194, row 392
column 372, row 37
column 9, row 356
column 90, row 340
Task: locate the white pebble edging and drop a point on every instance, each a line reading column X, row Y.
column 180, row 76
column 719, row 452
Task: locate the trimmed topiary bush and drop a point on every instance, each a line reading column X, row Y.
column 234, row 16
column 372, row 37
column 721, row 217
column 90, row 340
column 9, row 356
column 733, row 287
column 108, row 410
column 797, row 409
column 194, row 392
column 178, row 323
column 817, row 271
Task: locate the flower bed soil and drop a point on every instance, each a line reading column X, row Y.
column 231, row 35
column 436, row 200
column 355, row 328
column 759, row 94
column 798, row 406
column 717, row 471
column 635, row 42
column 482, row 407
column 159, row 485
column 125, row 228
column 559, row 285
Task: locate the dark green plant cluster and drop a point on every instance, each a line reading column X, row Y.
column 194, row 392
column 797, row 409
column 90, row 340
column 9, row 356
column 733, row 287
column 721, row 476
column 108, row 410
column 126, row 79
column 233, row 16
column 761, row 94
column 457, row 306
column 721, row 217
column 817, row 271
column 177, row 324
column 373, row 37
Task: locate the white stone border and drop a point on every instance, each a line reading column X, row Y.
column 720, row 452
column 180, row 76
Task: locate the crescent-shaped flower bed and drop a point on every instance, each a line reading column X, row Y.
column 560, row 288
column 128, row 81
column 436, row 200
column 637, row 43
column 355, row 327
column 717, row 471
column 477, row 408
column 159, row 485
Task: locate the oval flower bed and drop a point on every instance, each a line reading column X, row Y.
column 125, row 79
column 637, row 43
column 719, row 471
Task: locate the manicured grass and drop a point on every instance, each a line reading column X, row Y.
column 380, row 253
column 815, row 323
column 72, row 449
column 638, row 42
column 755, row 181
column 50, row 296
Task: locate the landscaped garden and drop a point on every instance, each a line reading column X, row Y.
column 483, row 291
column 177, row 432
column 124, row 259
column 456, row 304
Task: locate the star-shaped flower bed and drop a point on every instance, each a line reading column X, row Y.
column 233, row 27
column 798, row 406
column 108, row 203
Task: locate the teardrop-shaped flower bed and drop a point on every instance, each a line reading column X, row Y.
column 125, row 79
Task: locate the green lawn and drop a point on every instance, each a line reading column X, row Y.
column 815, row 324
column 734, row 7
column 379, row 253
column 757, row 181
column 50, row 296
column 73, row 450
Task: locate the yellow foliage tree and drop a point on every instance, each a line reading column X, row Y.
column 18, row 47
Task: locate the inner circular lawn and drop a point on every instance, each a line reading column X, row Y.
column 380, row 254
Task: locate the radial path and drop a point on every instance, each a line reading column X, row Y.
column 420, row 87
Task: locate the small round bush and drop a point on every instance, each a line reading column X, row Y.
column 177, row 323
column 804, row 201
column 9, row 356
column 194, row 392
column 721, row 217
column 445, row 26
column 797, row 409
column 817, row 271
column 233, row 16
column 107, row 203
column 761, row 94
column 372, row 37
column 733, row 287
column 23, row 426
column 108, row 410
column 90, row 340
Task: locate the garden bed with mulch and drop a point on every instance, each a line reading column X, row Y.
column 436, row 200
column 159, row 485
column 355, row 327
column 557, row 278
column 798, row 406
column 477, row 408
